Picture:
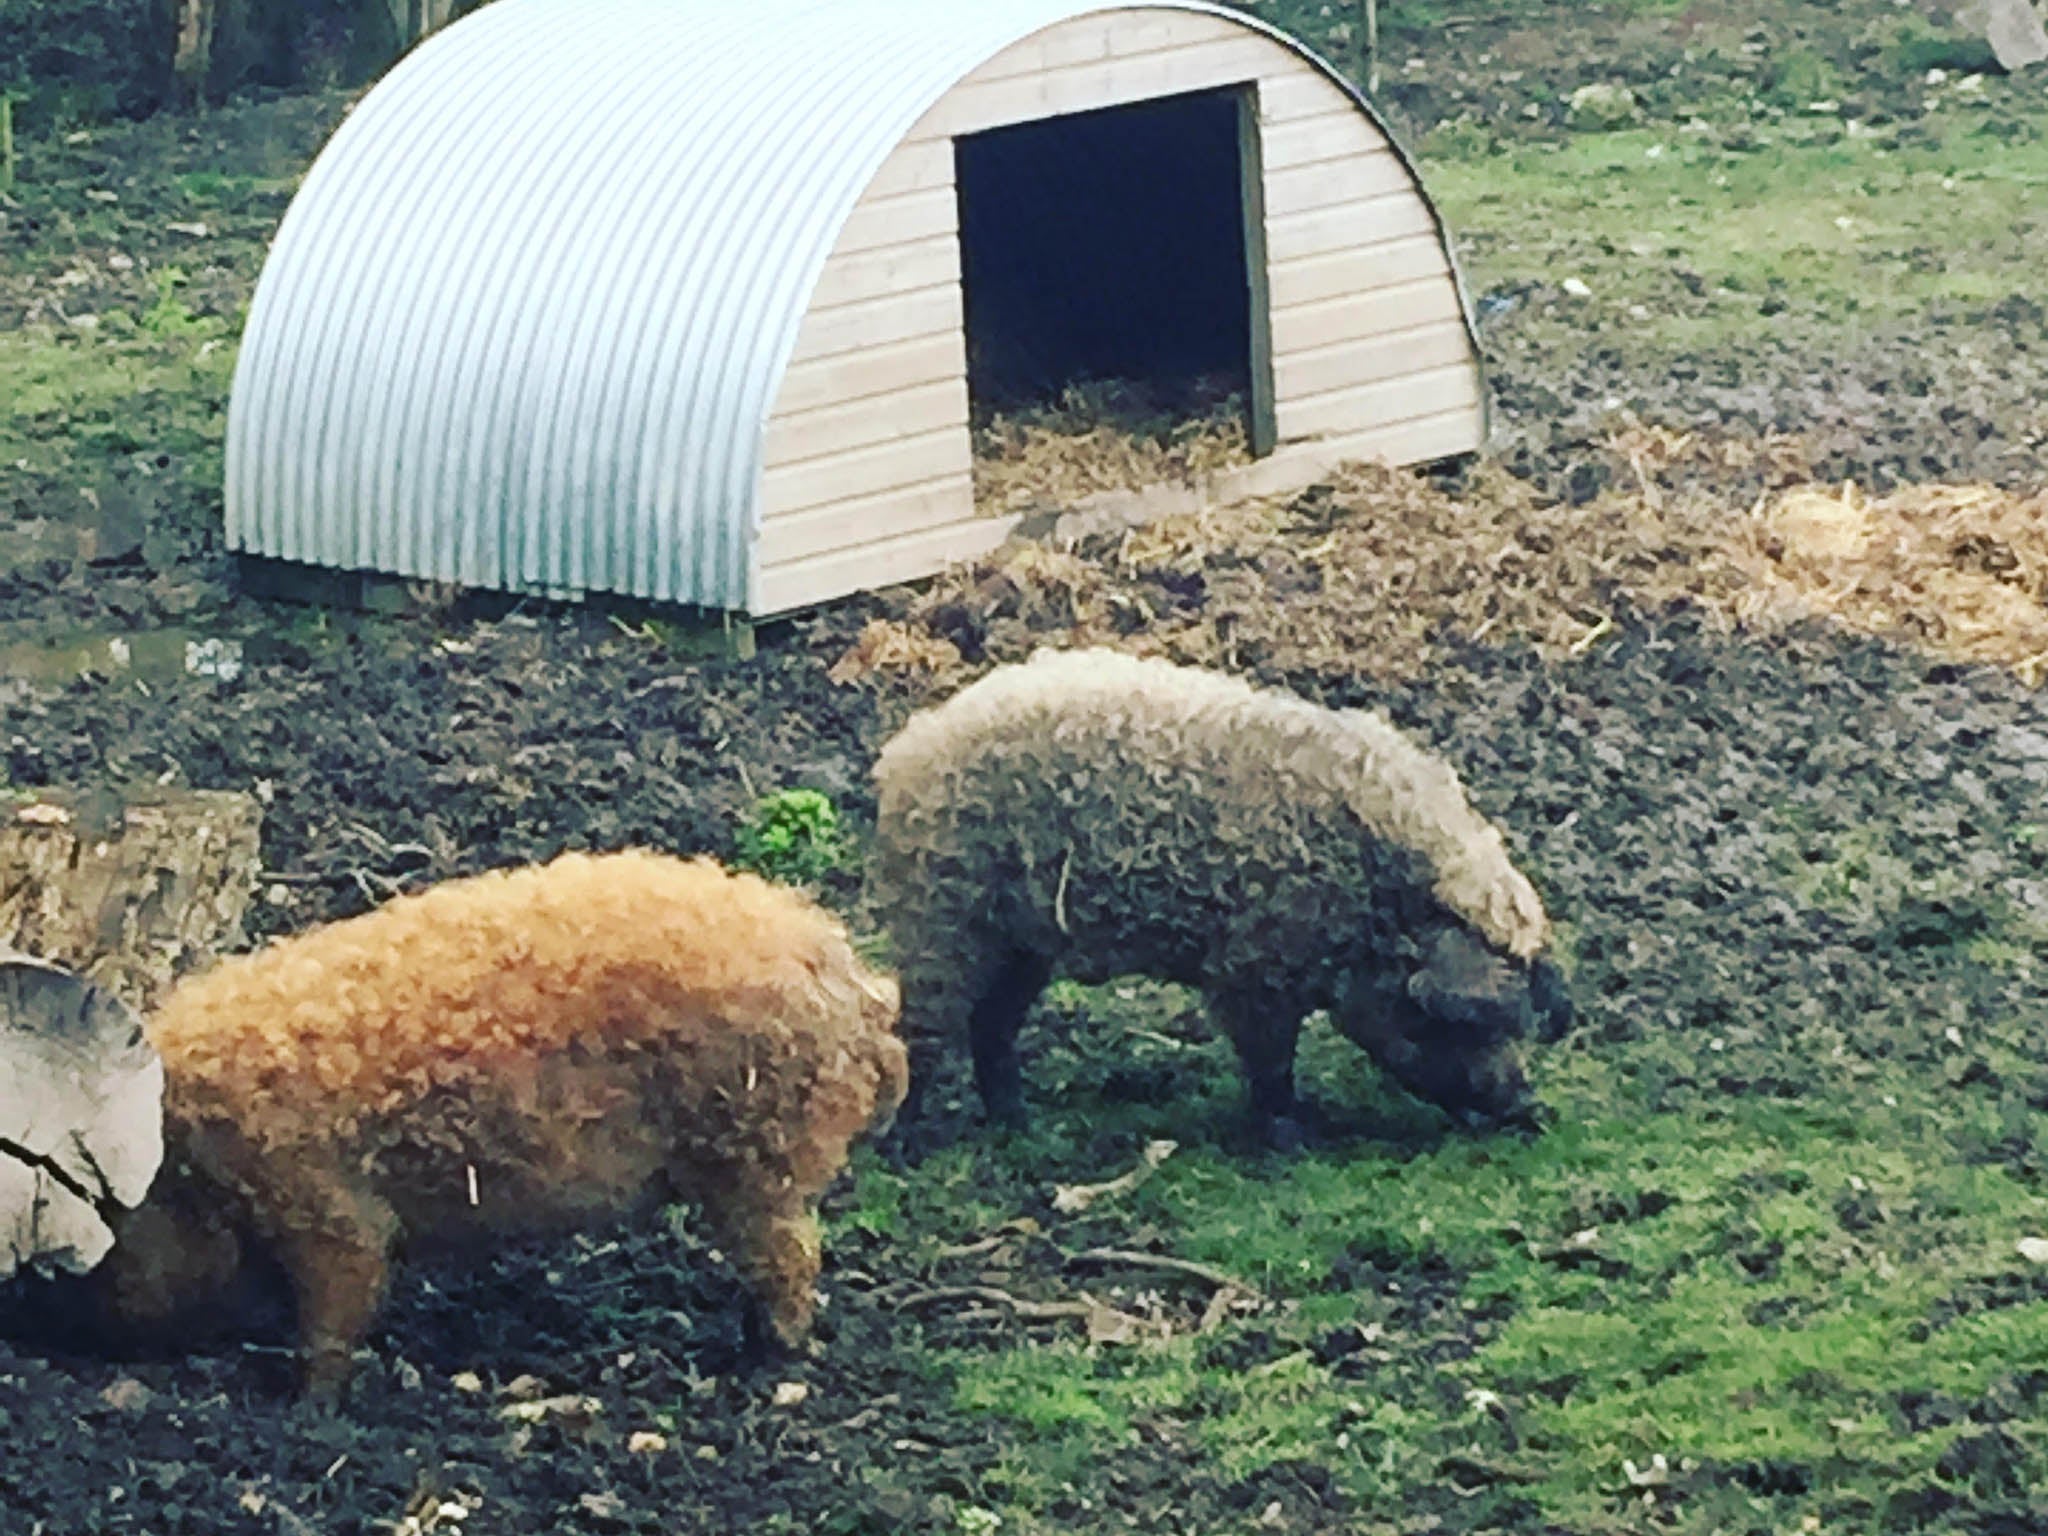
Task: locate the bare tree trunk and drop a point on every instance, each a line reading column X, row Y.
column 193, row 61
column 128, row 895
column 416, row 20
column 1372, row 47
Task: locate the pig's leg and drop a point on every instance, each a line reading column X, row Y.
column 778, row 1249
column 1265, row 1031
column 992, row 1032
column 956, row 988
column 335, row 1243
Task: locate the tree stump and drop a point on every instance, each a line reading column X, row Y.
column 104, row 902
column 130, row 893
column 81, row 1116
column 2014, row 30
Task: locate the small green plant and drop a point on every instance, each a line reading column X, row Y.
column 1917, row 45
column 213, row 187
column 662, row 632
column 169, row 315
column 794, row 836
column 877, row 1203
column 1800, row 77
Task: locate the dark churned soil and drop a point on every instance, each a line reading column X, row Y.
column 1794, row 869
column 1668, row 789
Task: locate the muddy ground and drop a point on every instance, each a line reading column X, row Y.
column 1681, row 795
column 1652, row 784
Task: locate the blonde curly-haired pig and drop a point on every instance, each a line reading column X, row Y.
column 526, row 1052
column 1093, row 814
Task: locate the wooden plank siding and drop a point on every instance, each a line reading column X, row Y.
column 872, row 373
column 887, row 270
column 859, row 520
column 884, row 561
column 1300, row 93
column 880, row 319
column 1312, row 324
column 868, row 471
column 1344, row 130
column 845, row 426
column 915, row 214
column 1306, row 374
column 1345, row 226
column 1304, row 186
column 976, row 105
column 1356, row 271
column 1140, row 33
column 1341, row 411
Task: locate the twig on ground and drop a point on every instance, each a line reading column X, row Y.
column 1141, row 1033
column 1136, row 1260
column 1072, row 1198
column 1580, row 646
column 369, row 882
column 873, row 1411
column 1022, row 1308
column 1217, row 1309
column 1275, row 1367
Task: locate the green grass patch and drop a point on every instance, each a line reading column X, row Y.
column 1756, row 1293
column 1856, row 228
column 159, row 381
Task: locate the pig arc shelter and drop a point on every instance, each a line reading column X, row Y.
column 689, row 300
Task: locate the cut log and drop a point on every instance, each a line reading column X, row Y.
column 81, row 1116
column 130, row 893
column 2017, row 37
column 114, row 898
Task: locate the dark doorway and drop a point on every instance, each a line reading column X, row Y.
column 1110, row 246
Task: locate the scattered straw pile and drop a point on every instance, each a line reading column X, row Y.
column 1371, row 574
column 1960, row 571
column 1378, row 572
column 1101, row 437
column 1657, row 456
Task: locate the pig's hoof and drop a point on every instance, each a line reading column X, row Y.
column 763, row 1346
column 1530, row 1119
column 1283, row 1134
column 904, row 1147
column 322, row 1396
column 1010, row 1119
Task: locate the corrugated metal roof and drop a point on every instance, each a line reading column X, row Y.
column 525, row 320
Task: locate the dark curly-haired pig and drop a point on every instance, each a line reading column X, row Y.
column 526, row 1052
column 1093, row 814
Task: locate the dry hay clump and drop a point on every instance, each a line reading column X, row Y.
column 1670, row 457
column 1102, row 438
column 1960, row 571
column 1374, row 572
column 1380, row 571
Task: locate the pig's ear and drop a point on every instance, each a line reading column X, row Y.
column 1471, row 988
column 1455, row 963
